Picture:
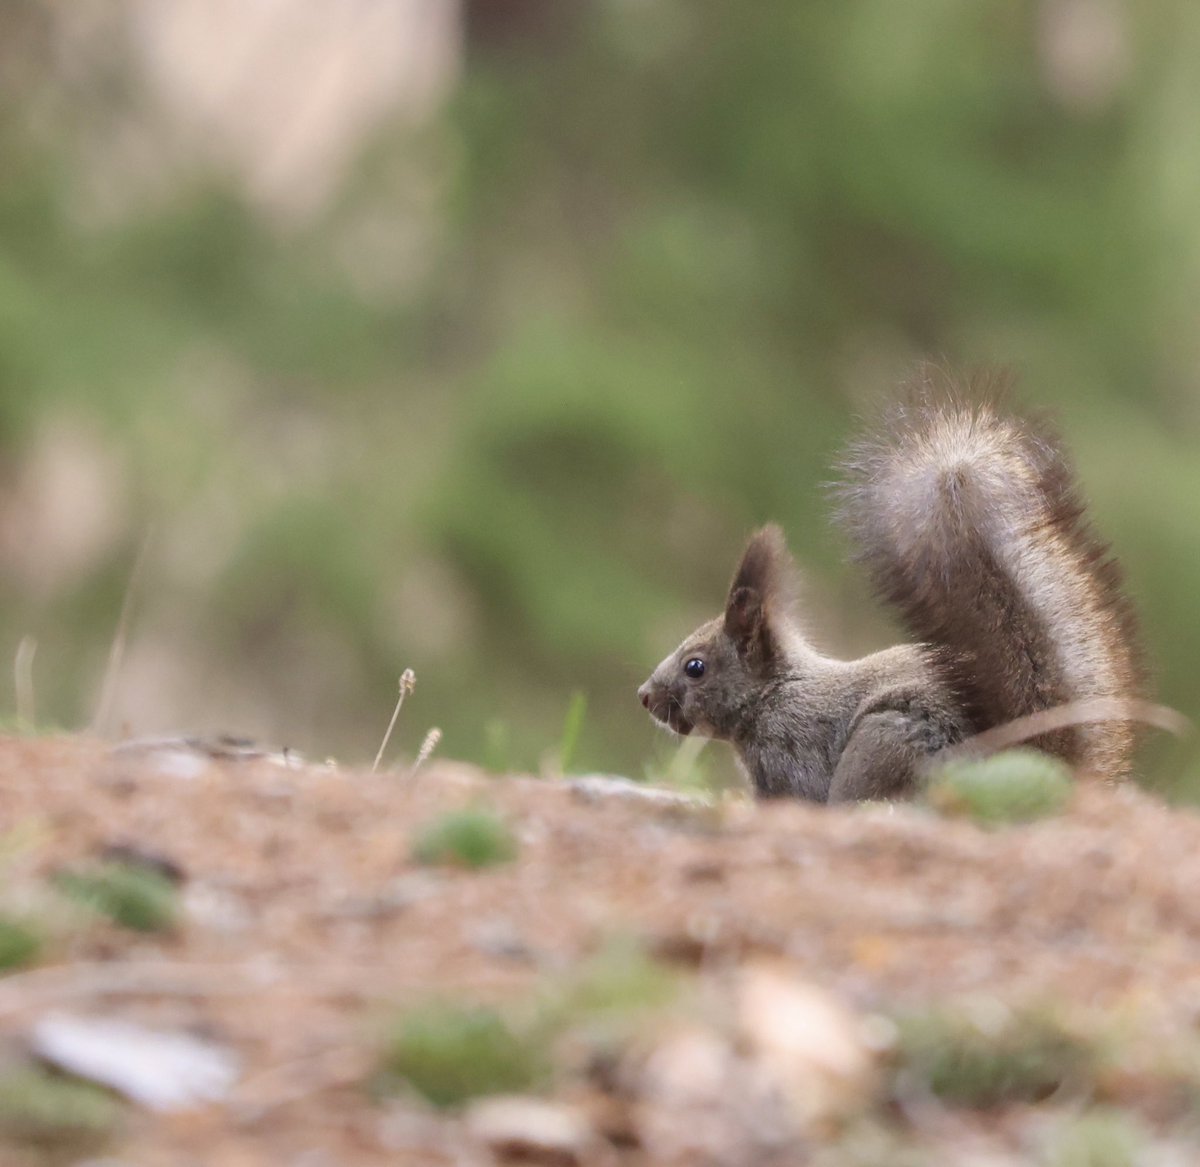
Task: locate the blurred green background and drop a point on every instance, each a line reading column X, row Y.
column 473, row 337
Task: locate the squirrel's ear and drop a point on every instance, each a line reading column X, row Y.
column 756, row 594
column 745, row 617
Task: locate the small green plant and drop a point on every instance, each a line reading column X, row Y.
column 988, row 1056
column 128, row 894
column 20, row 942
column 451, row 1054
column 54, row 1113
column 473, row 837
column 1097, row 1138
column 1016, row 786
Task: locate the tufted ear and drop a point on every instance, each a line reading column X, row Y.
column 757, row 596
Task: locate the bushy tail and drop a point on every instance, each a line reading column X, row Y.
column 971, row 524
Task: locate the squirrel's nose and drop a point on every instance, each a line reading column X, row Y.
column 644, row 694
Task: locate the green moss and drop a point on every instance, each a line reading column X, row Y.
column 466, row 838
column 451, row 1054
column 54, row 1113
column 20, row 942
column 979, row 1058
column 1016, row 786
column 132, row 896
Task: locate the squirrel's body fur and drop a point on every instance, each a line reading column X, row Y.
column 968, row 519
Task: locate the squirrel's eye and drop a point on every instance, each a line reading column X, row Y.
column 694, row 668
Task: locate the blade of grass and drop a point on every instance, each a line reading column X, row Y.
column 116, row 652
column 572, row 728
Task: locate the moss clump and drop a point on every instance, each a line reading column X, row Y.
column 466, row 838
column 20, row 942
column 128, row 894
column 1016, row 786
column 45, row 1110
column 981, row 1058
column 451, row 1054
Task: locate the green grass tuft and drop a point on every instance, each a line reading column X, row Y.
column 451, row 1054
column 132, row 896
column 1016, row 786
column 473, row 837
column 20, row 942
column 53, row 1113
column 967, row 1059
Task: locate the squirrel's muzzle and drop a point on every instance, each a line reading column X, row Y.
column 664, row 708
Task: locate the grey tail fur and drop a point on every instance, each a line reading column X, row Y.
column 971, row 524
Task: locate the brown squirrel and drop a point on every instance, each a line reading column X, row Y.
column 969, row 521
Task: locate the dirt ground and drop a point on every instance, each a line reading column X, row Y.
column 307, row 919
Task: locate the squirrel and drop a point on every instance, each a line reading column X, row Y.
column 970, row 523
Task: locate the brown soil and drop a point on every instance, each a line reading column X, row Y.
column 306, row 915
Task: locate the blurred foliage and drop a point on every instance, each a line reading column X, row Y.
column 663, row 261
column 471, row 837
column 59, row 1116
column 1096, row 1138
column 129, row 894
column 452, row 1053
column 20, row 942
column 991, row 1060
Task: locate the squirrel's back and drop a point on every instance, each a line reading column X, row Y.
column 971, row 524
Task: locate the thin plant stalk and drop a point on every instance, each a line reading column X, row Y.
column 408, row 681
column 427, row 747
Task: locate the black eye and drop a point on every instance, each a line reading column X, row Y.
column 694, row 668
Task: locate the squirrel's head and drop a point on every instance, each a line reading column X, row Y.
column 704, row 686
